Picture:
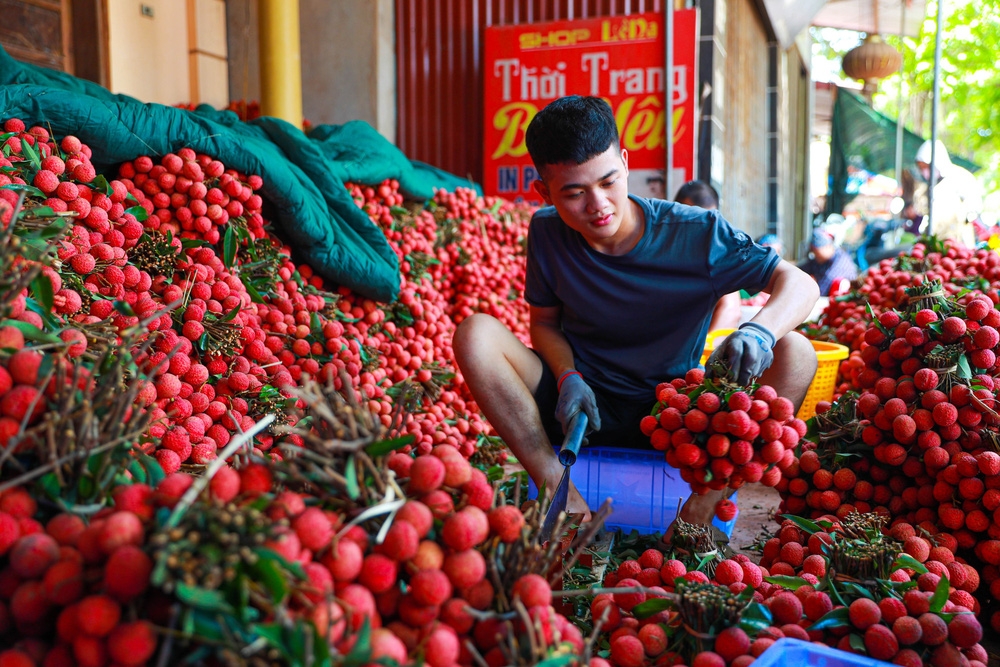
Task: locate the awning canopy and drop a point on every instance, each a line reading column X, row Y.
column 872, row 16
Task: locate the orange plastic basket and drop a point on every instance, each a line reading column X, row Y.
column 829, row 356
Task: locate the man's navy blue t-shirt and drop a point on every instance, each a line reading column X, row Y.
column 638, row 319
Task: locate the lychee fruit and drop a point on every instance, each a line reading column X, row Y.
column 63, row 582
column 132, row 643
column 430, row 587
column 934, row 629
column 120, row 529
column 127, row 572
column 401, row 541
column 533, row 590
column 628, row 651
column 313, row 528
column 864, row 613
column 33, row 554
column 965, row 631
column 907, row 630
column 97, row 615
column 426, row 474
column 506, row 522
column 732, row 643
column 465, row 568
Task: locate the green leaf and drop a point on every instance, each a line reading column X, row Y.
column 857, row 643
column 33, row 333
column 384, row 447
column 138, row 212
column 910, row 563
column 102, row 184
column 50, row 485
column 32, row 155
column 558, row 661
column 268, row 573
column 231, row 315
column 252, row 291
column 138, row 472
column 41, row 287
column 187, row 244
column 47, row 318
column 755, row 618
column 651, row 607
column 351, row 474
column 857, row 590
column 229, row 243
column 940, row 595
column 43, row 212
column 807, row 525
column 199, row 598
column 362, row 651
column 294, row 567
column 30, row 190
column 838, row 618
column 964, row 370
column 791, row 583
column 153, row 469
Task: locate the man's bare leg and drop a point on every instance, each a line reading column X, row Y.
column 793, row 369
column 791, row 373
column 503, row 374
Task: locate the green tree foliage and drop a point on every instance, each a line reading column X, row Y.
column 970, row 83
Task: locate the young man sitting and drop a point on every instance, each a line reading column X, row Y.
column 620, row 291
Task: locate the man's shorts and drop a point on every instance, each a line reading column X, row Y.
column 619, row 418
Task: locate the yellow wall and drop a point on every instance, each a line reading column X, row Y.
column 166, row 57
column 149, row 55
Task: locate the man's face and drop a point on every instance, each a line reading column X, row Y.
column 925, row 171
column 592, row 198
column 823, row 253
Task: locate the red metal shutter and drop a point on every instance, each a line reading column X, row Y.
column 439, row 53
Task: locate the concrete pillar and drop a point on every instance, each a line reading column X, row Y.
column 349, row 63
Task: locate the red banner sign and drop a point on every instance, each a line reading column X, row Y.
column 618, row 58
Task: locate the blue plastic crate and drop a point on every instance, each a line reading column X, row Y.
column 645, row 491
column 789, row 651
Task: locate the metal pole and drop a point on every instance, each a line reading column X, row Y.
column 935, row 111
column 899, row 102
column 668, row 76
column 280, row 60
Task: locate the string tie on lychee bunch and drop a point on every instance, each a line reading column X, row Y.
column 840, row 423
column 930, row 296
column 945, row 361
column 860, row 552
column 696, row 546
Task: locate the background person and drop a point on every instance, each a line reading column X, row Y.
column 620, row 290
column 958, row 196
column 727, row 313
column 829, row 262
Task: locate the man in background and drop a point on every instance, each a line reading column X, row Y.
column 958, row 196
column 829, row 263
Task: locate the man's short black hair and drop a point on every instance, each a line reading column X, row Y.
column 698, row 193
column 571, row 130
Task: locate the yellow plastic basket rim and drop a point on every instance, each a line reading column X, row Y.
column 830, row 351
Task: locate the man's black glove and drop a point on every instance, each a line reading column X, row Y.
column 747, row 352
column 576, row 395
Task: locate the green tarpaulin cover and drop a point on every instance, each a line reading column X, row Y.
column 865, row 139
column 303, row 174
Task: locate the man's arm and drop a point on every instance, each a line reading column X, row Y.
column 548, row 339
column 793, row 295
